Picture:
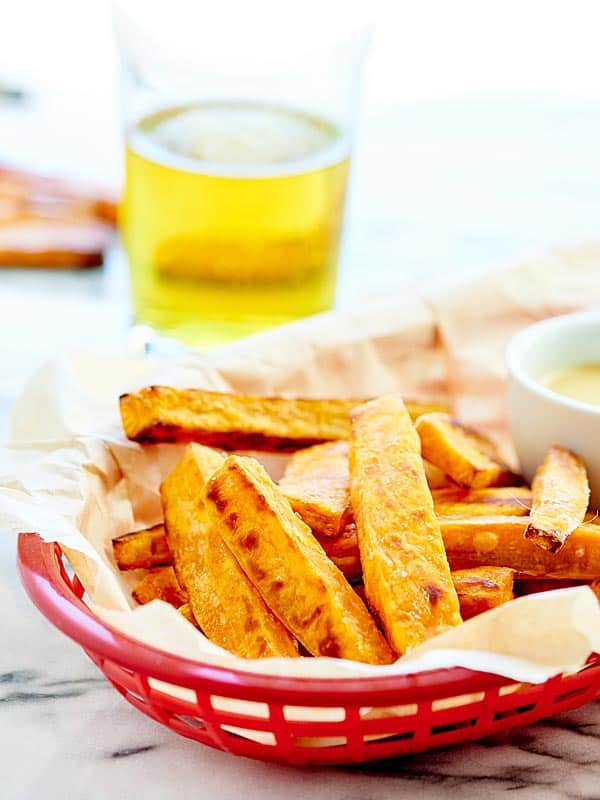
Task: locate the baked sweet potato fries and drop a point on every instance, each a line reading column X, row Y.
column 50, row 223
column 391, row 523
column 237, row 422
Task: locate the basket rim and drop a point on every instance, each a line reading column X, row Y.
column 43, row 578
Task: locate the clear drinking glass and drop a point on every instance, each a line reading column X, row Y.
column 239, row 120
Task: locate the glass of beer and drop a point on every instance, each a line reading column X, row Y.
column 239, row 119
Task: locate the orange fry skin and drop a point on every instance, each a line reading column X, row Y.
column 224, row 602
column 482, row 588
column 466, row 456
column 560, row 497
column 499, row 541
column 142, row 549
column 160, row 584
column 234, row 421
column 289, row 567
column 436, row 478
column 317, row 484
column 512, row 501
column 405, row 570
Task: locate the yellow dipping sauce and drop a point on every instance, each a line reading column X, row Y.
column 579, row 381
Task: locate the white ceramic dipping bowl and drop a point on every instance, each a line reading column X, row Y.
column 540, row 417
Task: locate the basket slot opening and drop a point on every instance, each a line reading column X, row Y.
column 374, row 738
column 120, row 668
column 568, row 695
column 311, row 714
column 511, row 688
column 379, row 712
column 245, row 708
column 261, row 737
column 129, row 693
column 193, row 722
column 172, row 690
column 445, row 703
column 513, row 712
column 453, row 726
column 319, row 741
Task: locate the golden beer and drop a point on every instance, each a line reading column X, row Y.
column 231, row 218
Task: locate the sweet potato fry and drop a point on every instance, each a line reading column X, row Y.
column 405, row 570
column 45, row 222
column 147, row 548
column 288, row 566
column 53, row 244
column 186, row 611
column 317, row 484
column 235, row 422
column 512, row 501
column 482, row 588
column 466, row 456
column 560, row 497
column 160, row 584
column 436, row 477
column 224, row 602
column 50, row 196
column 499, row 541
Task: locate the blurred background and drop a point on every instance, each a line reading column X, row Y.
column 477, row 143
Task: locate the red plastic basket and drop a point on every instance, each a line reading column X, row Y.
column 367, row 718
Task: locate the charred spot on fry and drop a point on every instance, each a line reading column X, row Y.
column 330, row 648
column 213, row 494
column 250, row 540
column 434, row 593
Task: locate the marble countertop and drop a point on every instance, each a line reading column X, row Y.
column 470, row 185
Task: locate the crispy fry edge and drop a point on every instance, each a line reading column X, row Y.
column 560, row 497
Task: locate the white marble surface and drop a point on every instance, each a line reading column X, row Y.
column 436, row 188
